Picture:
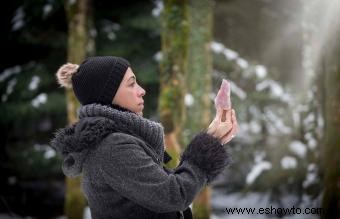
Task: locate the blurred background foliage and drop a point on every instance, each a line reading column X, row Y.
column 264, row 47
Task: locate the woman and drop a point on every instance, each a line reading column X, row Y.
column 120, row 154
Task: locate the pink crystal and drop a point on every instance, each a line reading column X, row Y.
column 222, row 99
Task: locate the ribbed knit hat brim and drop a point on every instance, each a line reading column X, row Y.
column 98, row 79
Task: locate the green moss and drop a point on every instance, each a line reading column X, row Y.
column 75, row 201
column 174, row 158
column 173, row 65
column 201, row 211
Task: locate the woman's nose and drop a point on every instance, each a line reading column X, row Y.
column 141, row 91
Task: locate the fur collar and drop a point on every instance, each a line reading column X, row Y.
column 95, row 123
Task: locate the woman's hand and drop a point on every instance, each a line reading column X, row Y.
column 225, row 130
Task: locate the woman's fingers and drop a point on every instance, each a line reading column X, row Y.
column 223, row 115
column 212, row 127
column 223, row 128
column 228, row 137
column 226, row 116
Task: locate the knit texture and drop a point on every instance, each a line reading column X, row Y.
column 120, row 156
column 151, row 132
column 98, row 78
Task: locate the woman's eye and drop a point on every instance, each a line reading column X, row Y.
column 132, row 84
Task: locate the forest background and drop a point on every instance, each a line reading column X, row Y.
column 282, row 58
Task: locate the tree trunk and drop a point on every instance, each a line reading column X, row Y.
column 78, row 41
column 174, row 39
column 331, row 155
column 198, row 103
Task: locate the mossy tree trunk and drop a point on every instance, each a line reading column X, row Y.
column 331, row 153
column 199, row 76
column 79, row 19
column 186, row 69
column 173, row 68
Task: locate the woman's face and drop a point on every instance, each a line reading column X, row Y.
column 129, row 94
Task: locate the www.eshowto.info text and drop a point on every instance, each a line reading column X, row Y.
column 275, row 211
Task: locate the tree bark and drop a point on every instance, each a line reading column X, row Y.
column 78, row 41
column 331, row 153
column 198, row 103
column 174, row 39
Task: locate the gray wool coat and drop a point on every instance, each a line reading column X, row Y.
column 120, row 157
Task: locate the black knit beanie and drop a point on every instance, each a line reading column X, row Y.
column 98, row 78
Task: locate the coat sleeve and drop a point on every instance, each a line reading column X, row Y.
column 129, row 170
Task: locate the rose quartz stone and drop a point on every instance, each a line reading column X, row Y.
column 222, row 99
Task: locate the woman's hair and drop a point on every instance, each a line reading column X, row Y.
column 64, row 74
